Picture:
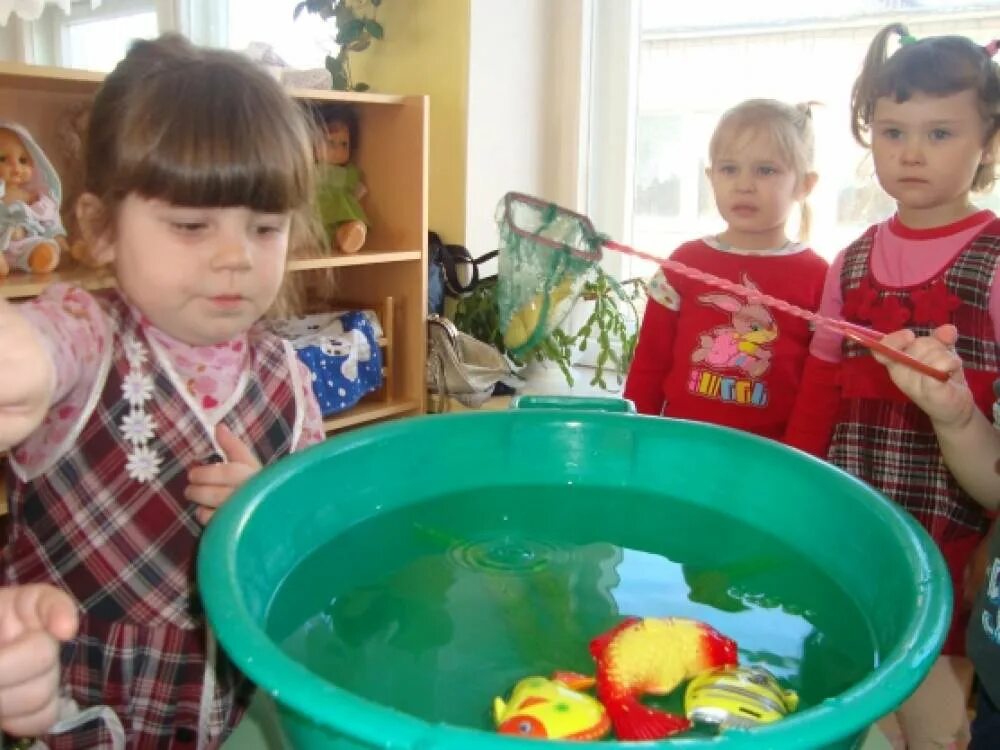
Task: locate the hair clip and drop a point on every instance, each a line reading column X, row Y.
column 905, row 39
column 991, row 48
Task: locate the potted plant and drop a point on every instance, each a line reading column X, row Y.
column 356, row 28
column 611, row 324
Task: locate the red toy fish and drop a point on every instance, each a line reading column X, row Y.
column 653, row 655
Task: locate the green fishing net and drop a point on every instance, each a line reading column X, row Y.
column 547, row 254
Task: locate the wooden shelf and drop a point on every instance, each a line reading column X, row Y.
column 346, row 97
column 28, row 285
column 357, row 259
column 370, row 412
column 43, row 78
column 20, row 285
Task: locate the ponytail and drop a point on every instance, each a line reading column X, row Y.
column 865, row 90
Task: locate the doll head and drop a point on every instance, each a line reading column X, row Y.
column 17, row 166
column 339, row 135
column 24, row 167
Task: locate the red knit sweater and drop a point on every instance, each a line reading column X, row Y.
column 708, row 355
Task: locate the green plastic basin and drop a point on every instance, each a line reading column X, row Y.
column 877, row 553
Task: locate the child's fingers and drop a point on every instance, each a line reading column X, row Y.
column 33, row 724
column 221, row 475
column 208, row 496
column 29, row 680
column 31, row 706
column 36, row 606
column 236, row 450
column 897, row 340
column 946, row 334
column 58, row 613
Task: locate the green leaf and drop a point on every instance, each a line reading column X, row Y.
column 350, row 31
column 298, row 9
column 361, row 86
column 374, row 28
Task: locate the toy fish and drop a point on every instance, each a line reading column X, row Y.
column 653, row 655
column 534, row 313
column 738, row 697
column 550, row 709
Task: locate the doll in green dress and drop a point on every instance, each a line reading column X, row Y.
column 340, row 186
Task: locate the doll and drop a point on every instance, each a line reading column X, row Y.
column 340, row 186
column 32, row 236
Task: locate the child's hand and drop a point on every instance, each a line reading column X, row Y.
column 948, row 404
column 27, row 377
column 33, row 619
column 211, row 485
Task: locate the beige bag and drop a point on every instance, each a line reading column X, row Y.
column 463, row 367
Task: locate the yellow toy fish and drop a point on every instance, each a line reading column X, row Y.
column 550, row 709
column 738, row 697
column 533, row 313
column 653, row 655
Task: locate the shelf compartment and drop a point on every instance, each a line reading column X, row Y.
column 370, row 411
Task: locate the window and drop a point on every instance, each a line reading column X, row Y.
column 690, row 66
column 91, row 38
column 90, row 43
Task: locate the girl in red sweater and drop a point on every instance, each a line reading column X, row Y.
column 713, row 356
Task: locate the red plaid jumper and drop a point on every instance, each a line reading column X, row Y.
column 880, row 435
column 126, row 548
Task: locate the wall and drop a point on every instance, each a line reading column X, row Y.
column 426, row 51
column 505, row 80
column 524, row 104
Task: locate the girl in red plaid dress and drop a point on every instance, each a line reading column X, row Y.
column 932, row 111
column 133, row 413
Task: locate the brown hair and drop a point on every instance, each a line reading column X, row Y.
column 790, row 128
column 199, row 127
column 935, row 66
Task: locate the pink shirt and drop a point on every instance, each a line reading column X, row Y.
column 903, row 257
column 77, row 333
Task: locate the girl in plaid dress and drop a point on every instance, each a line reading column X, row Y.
column 133, row 413
column 931, row 110
column 970, row 444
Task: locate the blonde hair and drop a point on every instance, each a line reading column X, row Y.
column 790, row 128
column 935, row 66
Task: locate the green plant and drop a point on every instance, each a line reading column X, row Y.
column 611, row 324
column 356, row 28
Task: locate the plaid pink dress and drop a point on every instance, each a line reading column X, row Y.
column 108, row 522
column 880, row 435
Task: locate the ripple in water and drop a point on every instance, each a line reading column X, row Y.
column 507, row 555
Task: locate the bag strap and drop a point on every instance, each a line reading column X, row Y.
column 454, row 256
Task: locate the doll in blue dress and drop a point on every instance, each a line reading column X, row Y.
column 32, row 236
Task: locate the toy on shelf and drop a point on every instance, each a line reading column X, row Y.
column 340, row 186
column 653, row 655
column 32, row 236
column 71, row 133
column 738, row 697
column 551, row 709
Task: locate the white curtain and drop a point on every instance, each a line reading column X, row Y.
column 30, row 10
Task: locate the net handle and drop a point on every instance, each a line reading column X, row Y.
column 593, row 254
column 865, row 336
